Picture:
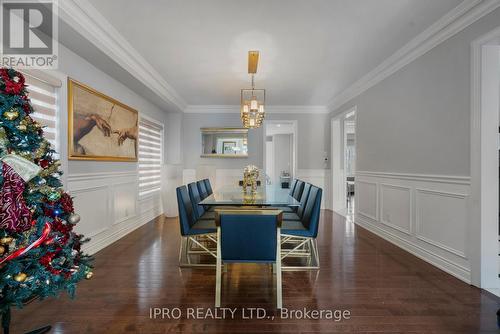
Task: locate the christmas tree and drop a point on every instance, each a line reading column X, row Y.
column 40, row 254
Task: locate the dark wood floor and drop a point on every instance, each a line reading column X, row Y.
column 386, row 290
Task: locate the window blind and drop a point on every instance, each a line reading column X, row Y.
column 150, row 156
column 44, row 101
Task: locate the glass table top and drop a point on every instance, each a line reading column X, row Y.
column 265, row 196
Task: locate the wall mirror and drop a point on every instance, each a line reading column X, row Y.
column 224, row 142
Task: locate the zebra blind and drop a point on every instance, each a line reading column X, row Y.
column 44, row 101
column 150, row 156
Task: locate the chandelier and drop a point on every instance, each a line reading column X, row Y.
column 252, row 100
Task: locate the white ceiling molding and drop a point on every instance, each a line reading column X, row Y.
column 233, row 109
column 453, row 22
column 88, row 21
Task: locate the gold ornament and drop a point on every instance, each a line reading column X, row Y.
column 21, row 277
column 22, row 127
column 89, row 275
column 6, row 240
column 11, row 114
column 2, row 250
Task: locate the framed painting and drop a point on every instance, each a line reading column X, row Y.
column 100, row 127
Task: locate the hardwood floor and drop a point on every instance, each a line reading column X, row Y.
column 385, row 289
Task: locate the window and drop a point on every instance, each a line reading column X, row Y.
column 42, row 92
column 150, row 156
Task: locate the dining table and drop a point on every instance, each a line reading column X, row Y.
column 264, row 196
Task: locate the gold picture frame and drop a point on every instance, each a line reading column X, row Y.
column 104, row 130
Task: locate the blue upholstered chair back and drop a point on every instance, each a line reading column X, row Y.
column 247, row 237
column 202, row 189
column 292, row 186
column 186, row 214
column 312, row 211
column 194, row 194
column 208, row 186
column 303, row 200
column 298, row 190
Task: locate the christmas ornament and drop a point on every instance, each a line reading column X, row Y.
column 6, row 240
column 54, row 196
column 44, row 163
column 11, row 114
column 74, row 218
column 2, row 250
column 21, row 277
column 89, row 275
column 22, row 127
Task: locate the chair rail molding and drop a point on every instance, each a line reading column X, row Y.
column 109, row 206
column 87, row 20
column 459, row 18
column 427, row 215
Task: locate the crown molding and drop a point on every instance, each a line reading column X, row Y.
column 235, row 109
column 466, row 13
column 90, row 23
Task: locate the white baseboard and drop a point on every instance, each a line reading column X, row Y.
column 442, row 263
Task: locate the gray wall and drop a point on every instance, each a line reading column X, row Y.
column 313, row 139
column 418, row 119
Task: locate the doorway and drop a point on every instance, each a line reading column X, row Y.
column 344, row 162
column 280, row 138
column 485, row 124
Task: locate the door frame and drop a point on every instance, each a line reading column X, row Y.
column 294, row 144
column 337, row 164
column 483, row 237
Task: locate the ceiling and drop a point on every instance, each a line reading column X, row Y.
column 311, row 50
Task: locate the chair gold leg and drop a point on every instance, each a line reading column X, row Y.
column 279, row 296
column 218, row 273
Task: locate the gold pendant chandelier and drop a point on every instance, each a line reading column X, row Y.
column 252, row 100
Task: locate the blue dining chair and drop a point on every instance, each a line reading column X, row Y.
column 297, row 191
column 303, row 232
column 300, row 210
column 248, row 236
column 208, row 186
column 199, row 210
column 202, row 189
column 191, row 228
column 292, row 186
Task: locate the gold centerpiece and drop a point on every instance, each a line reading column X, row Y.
column 250, row 177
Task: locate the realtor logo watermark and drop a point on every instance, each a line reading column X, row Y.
column 28, row 34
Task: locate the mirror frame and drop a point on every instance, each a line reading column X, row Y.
column 223, row 130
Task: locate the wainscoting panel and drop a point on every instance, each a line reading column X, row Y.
column 427, row 215
column 109, row 206
column 124, row 201
column 367, row 199
column 438, row 211
column 396, row 207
